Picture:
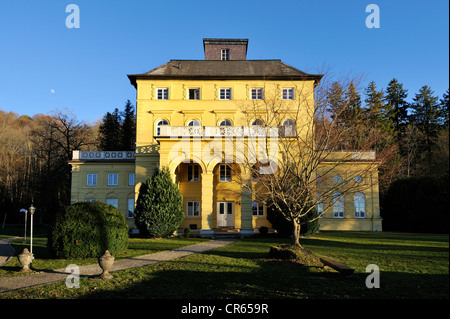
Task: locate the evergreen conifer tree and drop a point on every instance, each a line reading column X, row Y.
column 353, row 113
column 378, row 119
column 396, row 105
column 426, row 116
column 109, row 132
column 159, row 207
column 128, row 127
column 336, row 102
column 444, row 108
column 376, row 111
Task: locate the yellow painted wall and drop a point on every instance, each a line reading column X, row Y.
column 368, row 186
column 210, row 110
column 80, row 191
column 178, row 110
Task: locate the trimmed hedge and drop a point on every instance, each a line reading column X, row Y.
column 417, row 204
column 85, row 230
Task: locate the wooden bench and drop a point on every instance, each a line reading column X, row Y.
column 336, row 265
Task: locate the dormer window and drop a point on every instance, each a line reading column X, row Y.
column 225, row 54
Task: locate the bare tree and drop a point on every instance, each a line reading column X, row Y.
column 310, row 152
column 16, row 162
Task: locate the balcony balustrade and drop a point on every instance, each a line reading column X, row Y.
column 102, row 155
column 226, row 131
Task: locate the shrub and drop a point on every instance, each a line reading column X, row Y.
column 85, row 230
column 417, row 204
column 159, row 207
column 187, row 232
column 263, row 230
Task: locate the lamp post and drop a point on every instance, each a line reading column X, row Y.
column 23, row 210
column 32, row 210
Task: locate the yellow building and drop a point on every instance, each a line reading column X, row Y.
column 188, row 109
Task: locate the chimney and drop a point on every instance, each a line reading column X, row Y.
column 225, row 49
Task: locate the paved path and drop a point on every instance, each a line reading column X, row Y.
column 43, row 278
column 6, row 250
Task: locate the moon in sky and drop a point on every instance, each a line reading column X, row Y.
column 53, row 91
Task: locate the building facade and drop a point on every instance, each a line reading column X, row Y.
column 186, row 110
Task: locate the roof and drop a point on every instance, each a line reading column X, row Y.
column 234, row 69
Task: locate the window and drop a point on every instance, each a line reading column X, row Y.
column 228, row 206
column 194, row 123
column 257, row 209
column 158, row 126
column 338, row 205
column 288, row 122
column 318, row 179
column 131, row 178
column 194, row 94
column 225, row 173
column 358, row 179
column 113, row 202
column 130, row 208
column 225, row 123
column 257, row 94
column 193, row 173
column 319, row 205
column 225, row 54
column 258, row 123
column 91, row 180
column 162, row 94
column 337, row 179
column 225, row 94
column 193, row 209
column 288, row 94
column 113, row 179
column 360, row 205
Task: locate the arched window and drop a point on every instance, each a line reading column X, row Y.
column 258, row 122
column 225, row 123
column 338, row 205
column 158, row 126
column 288, row 122
column 194, row 123
column 360, row 205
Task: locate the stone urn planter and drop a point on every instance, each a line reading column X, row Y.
column 106, row 261
column 25, row 259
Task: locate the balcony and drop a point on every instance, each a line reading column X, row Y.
column 103, row 156
column 226, row 131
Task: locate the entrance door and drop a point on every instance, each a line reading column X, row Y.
column 225, row 214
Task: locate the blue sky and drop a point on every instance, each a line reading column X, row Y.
column 45, row 66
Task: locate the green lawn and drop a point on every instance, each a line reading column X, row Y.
column 43, row 261
column 411, row 265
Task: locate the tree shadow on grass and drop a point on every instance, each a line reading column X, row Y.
column 311, row 242
column 271, row 279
